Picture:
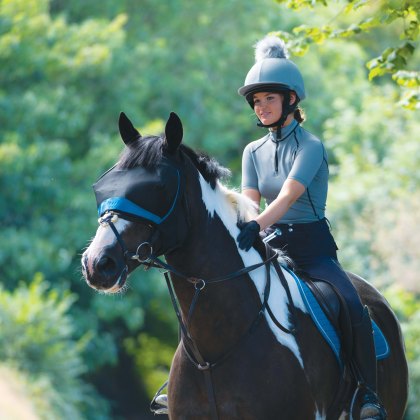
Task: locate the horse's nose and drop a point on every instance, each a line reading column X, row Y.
column 107, row 265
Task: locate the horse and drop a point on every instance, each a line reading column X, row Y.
column 249, row 348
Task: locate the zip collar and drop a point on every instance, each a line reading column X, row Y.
column 285, row 132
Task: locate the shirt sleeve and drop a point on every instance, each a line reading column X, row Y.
column 307, row 162
column 249, row 172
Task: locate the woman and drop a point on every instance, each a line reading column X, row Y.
column 288, row 168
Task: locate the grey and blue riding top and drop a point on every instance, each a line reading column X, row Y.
column 298, row 155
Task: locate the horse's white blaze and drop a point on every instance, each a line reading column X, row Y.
column 218, row 202
column 105, row 236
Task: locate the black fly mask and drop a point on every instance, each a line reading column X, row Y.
column 153, row 196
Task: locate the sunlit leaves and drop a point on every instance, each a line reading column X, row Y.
column 410, row 100
column 409, row 79
column 391, row 60
column 152, row 360
column 317, row 35
column 379, row 14
column 298, row 4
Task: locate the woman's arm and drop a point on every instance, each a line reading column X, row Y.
column 289, row 193
column 254, row 195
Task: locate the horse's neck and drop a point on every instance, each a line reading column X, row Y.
column 225, row 310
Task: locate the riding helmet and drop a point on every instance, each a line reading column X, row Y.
column 272, row 71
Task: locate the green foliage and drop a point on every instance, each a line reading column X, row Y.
column 152, row 360
column 38, row 338
column 69, row 68
column 374, row 145
column 403, row 18
column 411, row 331
column 407, row 307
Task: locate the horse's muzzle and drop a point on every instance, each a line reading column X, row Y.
column 105, row 272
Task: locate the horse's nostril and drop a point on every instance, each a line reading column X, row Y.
column 106, row 265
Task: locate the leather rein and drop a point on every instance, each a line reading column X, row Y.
column 188, row 342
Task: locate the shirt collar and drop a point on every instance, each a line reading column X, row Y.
column 285, row 132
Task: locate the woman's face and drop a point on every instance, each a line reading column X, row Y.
column 268, row 107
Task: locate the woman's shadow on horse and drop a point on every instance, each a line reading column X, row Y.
column 250, row 348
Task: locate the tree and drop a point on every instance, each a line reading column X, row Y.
column 69, row 68
column 401, row 16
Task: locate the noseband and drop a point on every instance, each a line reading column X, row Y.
column 188, row 342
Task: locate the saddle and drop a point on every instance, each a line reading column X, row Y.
column 335, row 309
column 330, row 314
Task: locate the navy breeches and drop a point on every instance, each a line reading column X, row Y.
column 312, row 248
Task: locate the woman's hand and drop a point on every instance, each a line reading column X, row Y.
column 249, row 233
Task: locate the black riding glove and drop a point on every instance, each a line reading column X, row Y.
column 249, row 233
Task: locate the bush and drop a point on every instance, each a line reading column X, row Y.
column 38, row 339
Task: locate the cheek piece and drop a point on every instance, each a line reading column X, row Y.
column 155, row 198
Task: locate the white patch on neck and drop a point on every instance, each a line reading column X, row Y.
column 218, row 201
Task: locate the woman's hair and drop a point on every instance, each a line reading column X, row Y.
column 299, row 115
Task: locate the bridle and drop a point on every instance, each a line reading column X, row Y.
column 189, row 344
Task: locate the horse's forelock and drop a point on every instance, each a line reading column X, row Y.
column 147, row 152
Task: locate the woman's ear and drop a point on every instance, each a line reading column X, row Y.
column 292, row 98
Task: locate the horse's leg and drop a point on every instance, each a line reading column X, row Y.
column 261, row 380
column 321, row 366
column 392, row 371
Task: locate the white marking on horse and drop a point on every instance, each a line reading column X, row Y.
column 219, row 201
column 105, row 236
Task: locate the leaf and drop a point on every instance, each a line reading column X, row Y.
column 360, row 4
column 410, row 100
column 300, row 4
column 390, row 61
column 409, row 79
column 389, row 16
column 369, row 23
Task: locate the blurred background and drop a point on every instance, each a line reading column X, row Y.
column 67, row 69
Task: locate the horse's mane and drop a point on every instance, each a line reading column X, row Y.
column 148, row 151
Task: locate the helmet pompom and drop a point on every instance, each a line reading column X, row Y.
column 270, row 47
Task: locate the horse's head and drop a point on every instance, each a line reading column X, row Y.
column 141, row 206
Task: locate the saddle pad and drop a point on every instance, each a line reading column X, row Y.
column 328, row 331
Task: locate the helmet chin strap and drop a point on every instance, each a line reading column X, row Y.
column 287, row 108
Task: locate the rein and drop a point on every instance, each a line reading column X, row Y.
column 188, row 343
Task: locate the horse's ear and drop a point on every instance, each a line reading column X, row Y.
column 127, row 131
column 173, row 133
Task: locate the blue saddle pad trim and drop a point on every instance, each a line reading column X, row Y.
column 328, row 331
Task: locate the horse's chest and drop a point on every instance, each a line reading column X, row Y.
column 261, row 380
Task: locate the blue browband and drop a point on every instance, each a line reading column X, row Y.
column 127, row 206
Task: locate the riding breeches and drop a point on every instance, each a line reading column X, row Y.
column 313, row 250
